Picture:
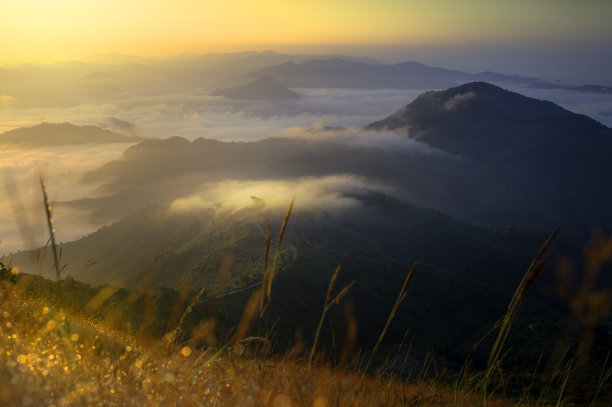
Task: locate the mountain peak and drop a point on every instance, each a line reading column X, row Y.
column 474, row 101
column 478, row 119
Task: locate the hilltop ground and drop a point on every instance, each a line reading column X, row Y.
column 59, row 357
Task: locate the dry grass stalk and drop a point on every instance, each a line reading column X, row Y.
column 277, row 250
column 248, row 315
column 48, row 209
column 265, row 267
column 400, row 298
column 534, row 269
column 267, row 248
column 326, row 307
column 269, row 275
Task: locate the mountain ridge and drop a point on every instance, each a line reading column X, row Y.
column 51, row 134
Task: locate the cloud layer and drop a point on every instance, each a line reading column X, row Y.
column 327, row 192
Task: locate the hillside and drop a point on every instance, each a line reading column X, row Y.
column 375, row 242
column 446, row 311
column 59, row 354
column 534, row 162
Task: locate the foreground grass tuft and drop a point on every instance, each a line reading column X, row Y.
column 54, row 357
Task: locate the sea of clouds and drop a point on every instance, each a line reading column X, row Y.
column 192, row 115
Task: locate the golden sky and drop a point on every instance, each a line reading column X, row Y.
column 55, row 30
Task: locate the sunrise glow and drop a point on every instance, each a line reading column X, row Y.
column 44, row 31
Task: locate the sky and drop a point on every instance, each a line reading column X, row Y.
column 42, row 31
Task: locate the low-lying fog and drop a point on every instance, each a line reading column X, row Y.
column 190, row 113
column 22, row 216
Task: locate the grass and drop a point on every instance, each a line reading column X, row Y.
column 48, row 209
column 53, row 356
column 64, row 345
column 400, row 298
column 532, row 272
column 329, row 302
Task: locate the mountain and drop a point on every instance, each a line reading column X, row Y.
column 59, row 134
column 484, row 121
column 160, row 171
column 342, row 73
column 533, row 162
column 260, row 89
column 476, row 152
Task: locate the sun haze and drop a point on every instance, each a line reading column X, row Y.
column 44, row 31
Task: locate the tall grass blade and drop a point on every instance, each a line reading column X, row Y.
column 48, row 209
column 326, row 307
column 270, row 272
column 400, row 298
column 277, row 250
column 532, row 272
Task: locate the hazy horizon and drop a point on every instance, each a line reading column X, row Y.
column 556, row 40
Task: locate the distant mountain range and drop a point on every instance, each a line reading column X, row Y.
column 60, row 134
column 575, row 88
column 265, row 88
column 109, row 79
column 341, row 73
